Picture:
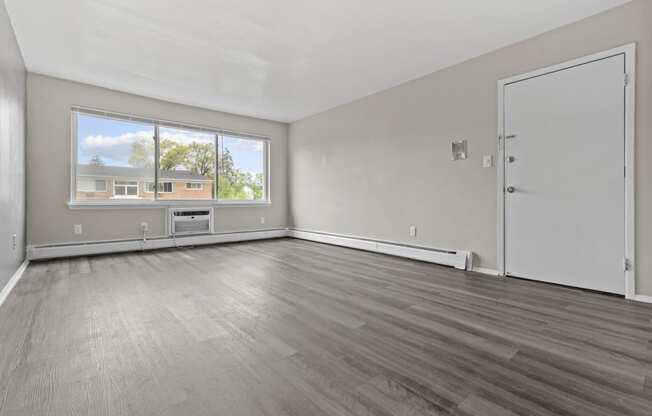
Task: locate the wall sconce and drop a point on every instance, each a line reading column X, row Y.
column 458, row 149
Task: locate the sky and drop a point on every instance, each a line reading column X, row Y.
column 111, row 140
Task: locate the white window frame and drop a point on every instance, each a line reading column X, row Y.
column 130, row 202
column 266, row 170
column 172, row 186
column 126, row 195
column 189, row 188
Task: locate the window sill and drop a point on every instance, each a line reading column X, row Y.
column 127, row 204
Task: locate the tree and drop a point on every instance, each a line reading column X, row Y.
column 173, row 154
column 258, row 186
column 142, row 153
column 226, row 166
column 201, row 158
column 96, row 161
column 233, row 183
column 239, row 185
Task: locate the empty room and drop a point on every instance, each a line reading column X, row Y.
column 350, row 208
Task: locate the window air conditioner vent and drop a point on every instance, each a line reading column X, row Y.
column 189, row 221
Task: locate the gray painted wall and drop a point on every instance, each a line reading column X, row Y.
column 12, row 150
column 373, row 167
column 50, row 220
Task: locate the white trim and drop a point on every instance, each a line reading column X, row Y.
column 629, row 51
column 131, row 203
column 73, row 156
column 630, row 171
column 92, row 248
column 640, row 298
column 162, row 182
column 267, row 192
column 456, row 258
column 13, row 281
column 201, row 186
column 125, row 185
column 500, row 183
column 483, row 270
column 625, row 49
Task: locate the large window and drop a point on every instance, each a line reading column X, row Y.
column 113, row 158
column 187, row 155
column 116, row 161
column 242, row 167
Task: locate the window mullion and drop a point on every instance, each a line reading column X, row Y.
column 156, row 160
column 266, row 174
column 74, row 156
column 217, row 166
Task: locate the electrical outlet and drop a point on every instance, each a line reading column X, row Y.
column 262, row 220
column 77, row 228
column 487, row 161
column 144, row 227
column 413, row 230
column 13, row 241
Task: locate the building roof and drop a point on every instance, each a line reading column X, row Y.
column 129, row 172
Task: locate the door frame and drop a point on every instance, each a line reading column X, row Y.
column 629, row 51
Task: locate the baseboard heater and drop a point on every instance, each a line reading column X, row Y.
column 458, row 259
column 106, row 247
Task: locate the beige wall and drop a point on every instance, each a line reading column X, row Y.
column 50, row 220
column 12, row 150
column 373, row 167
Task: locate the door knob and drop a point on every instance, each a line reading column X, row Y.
column 511, row 189
column 511, row 159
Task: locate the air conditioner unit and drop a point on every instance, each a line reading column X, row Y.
column 189, row 221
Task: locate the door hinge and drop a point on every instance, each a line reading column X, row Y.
column 626, row 79
column 627, row 264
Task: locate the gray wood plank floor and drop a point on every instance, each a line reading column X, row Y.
column 289, row 327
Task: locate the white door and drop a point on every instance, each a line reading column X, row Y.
column 565, row 177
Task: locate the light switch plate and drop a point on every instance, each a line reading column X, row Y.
column 487, row 161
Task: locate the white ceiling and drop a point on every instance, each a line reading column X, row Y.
column 276, row 59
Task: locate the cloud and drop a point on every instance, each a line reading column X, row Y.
column 186, row 137
column 243, row 145
column 114, row 148
column 117, row 149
